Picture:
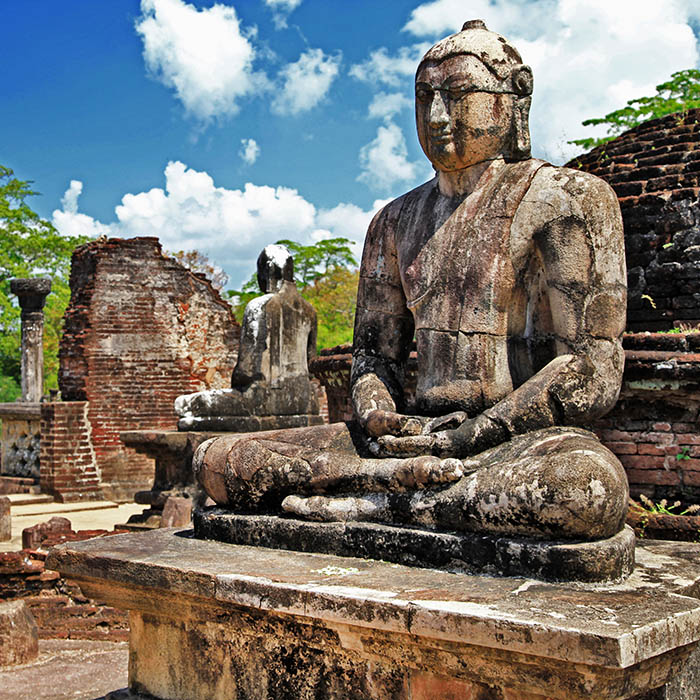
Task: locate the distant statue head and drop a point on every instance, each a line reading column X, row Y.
column 275, row 265
column 473, row 97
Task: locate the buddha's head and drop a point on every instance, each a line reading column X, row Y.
column 275, row 265
column 473, row 98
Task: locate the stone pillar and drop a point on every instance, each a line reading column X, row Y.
column 32, row 295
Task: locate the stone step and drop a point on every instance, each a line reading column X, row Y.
column 27, row 499
column 18, row 485
column 44, row 508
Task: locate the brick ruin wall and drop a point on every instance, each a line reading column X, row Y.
column 655, row 172
column 140, row 330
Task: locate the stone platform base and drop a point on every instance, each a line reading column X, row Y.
column 214, row 620
column 248, row 424
column 604, row 560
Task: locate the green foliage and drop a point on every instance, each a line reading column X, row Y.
column 663, row 507
column 334, row 296
column 326, row 276
column 29, row 247
column 677, row 95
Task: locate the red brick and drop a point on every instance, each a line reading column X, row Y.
column 644, row 448
column 622, row 448
column 659, row 477
column 642, row 461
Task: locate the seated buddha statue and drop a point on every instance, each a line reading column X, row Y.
column 509, row 274
column 271, row 377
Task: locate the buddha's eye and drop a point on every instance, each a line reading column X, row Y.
column 457, row 93
column 424, row 94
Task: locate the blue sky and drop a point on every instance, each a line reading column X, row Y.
column 226, row 126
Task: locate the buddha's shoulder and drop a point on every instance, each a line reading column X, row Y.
column 565, row 188
column 391, row 211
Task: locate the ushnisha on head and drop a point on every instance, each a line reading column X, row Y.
column 275, row 265
column 473, row 96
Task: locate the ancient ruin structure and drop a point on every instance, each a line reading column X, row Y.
column 655, row 171
column 210, row 619
column 270, row 383
column 21, row 420
column 270, row 388
column 510, row 273
column 32, row 295
column 140, row 330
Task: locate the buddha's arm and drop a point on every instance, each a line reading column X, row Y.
column 383, row 333
column 582, row 257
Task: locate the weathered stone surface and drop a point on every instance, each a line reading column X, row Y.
column 32, row 295
column 5, row 519
column 21, row 438
column 19, row 639
column 509, row 273
column 474, row 553
column 211, row 618
column 177, row 512
column 271, row 377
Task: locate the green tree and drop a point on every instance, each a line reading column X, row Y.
column 29, row 247
column 326, row 276
column 679, row 94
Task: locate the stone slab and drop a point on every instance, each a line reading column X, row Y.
column 472, row 553
column 20, row 410
column 568, row 640
column 19, row 637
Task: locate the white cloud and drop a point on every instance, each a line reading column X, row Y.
column 393, row 71
column 306, row 82
column 588, row 56
column 281, row 9
column 384, row 160
column 69, row 201
column 385, row 105
column 249, row 151
column 202, row 54
column 229, row 226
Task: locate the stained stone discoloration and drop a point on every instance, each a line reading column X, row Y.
column 271, row 377
column 510, row 274
column 208, row 616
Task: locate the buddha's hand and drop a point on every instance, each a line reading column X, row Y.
column 471, row 435
column 379, row 422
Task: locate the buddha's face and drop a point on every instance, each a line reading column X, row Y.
column 458, row 123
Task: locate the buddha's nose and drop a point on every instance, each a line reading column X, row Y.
column 438, row 112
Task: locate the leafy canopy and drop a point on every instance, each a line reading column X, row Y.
column 679, row 94
column 327, row 277
column 29, row 247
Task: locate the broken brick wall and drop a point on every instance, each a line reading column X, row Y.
column 140, row 330
column 655, row 172
column 67, row 458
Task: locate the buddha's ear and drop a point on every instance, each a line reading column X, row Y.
column 521, row 80
column 521, row 128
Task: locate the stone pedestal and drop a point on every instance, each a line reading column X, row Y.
column 21, row 439
column 172, row 451
column 213, row 620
